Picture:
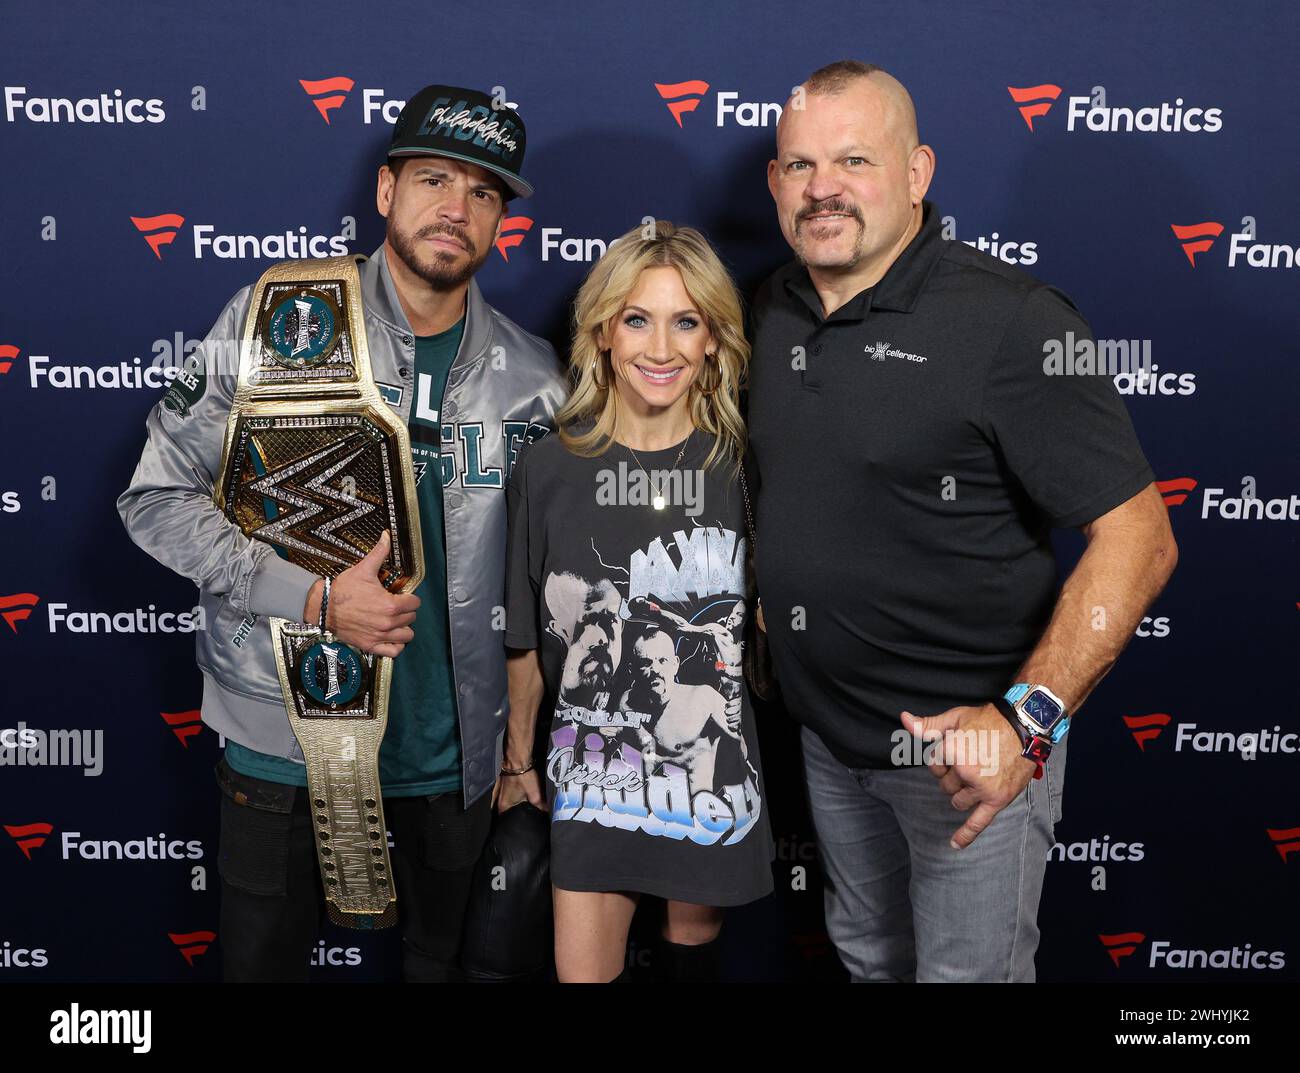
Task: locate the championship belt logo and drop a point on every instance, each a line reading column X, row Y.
column 316, row 464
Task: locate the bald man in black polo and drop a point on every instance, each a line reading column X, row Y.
column 913, row 454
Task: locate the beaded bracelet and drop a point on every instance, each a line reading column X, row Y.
column 324, row 606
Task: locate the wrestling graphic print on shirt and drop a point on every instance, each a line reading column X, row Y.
column 643, row 739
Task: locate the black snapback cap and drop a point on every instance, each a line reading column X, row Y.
column 465, row 125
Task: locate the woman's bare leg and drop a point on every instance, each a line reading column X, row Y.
column 691, row 925
column 591, row 934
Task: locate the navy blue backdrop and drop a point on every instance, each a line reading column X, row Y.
column 1181, row 827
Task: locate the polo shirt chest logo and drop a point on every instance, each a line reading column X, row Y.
column 881, row 351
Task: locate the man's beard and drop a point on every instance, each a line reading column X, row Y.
column 829, row 205
column 595, row 670
column 442, row 274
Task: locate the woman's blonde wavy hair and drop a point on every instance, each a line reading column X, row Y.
column 600, row 300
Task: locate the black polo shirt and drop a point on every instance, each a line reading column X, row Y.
column 912, row 457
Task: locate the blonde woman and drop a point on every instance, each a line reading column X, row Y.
column 626, row 602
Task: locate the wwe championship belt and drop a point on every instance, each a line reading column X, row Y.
column 315, row 464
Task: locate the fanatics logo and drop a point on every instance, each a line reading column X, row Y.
column 1242, row 245
column 184, row 724
column 192, row 944
column 514, row 229
column 158, row 230
column 1175, row 491
column 1034, row 101
column 104, row 108
column 1121, row 945
column 1196, row 238
column 1146, row 727
column 1285, row 842
column 327, row 93
column 29, row 836
column 15, row 608
column 1250, row 506
column 1095, row 114
column 8, row 353
column 682, row 97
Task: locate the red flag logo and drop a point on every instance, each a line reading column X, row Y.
column 29, row 836
column 1285, row 841
column 1147, row 727
column 1034, row 101
column 1196, row 238
column 327, row 93
column 514, row 229
column 1121, row 945
column 16, row 607
column 1175, row 491
column 192, row 943
column 158, row 230
column 184, row 724
column 682, row 97
column 8, row 353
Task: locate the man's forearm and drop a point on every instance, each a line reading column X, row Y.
column 181, row 529
column 525, row 688
column 311, row 610
column 678, row 623
column 1128, row 560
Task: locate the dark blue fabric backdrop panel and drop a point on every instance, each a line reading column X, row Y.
column 1170, row 843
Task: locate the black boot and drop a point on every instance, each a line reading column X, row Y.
column 679, row 963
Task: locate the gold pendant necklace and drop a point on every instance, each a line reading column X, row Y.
column 658, row 501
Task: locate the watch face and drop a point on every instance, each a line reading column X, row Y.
column 1039, row 707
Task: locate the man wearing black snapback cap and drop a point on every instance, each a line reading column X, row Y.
column 473, row 388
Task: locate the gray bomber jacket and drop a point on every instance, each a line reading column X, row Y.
column 502, row 391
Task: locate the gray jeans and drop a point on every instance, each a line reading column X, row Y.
column 901, row 903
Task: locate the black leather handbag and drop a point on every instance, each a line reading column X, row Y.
column 508, row 927
column 756, row 661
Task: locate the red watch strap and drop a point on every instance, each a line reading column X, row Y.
column 1035, row 748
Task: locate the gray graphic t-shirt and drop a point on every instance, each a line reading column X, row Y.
column 653, row 777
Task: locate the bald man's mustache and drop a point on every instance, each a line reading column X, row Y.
column 831, row 204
